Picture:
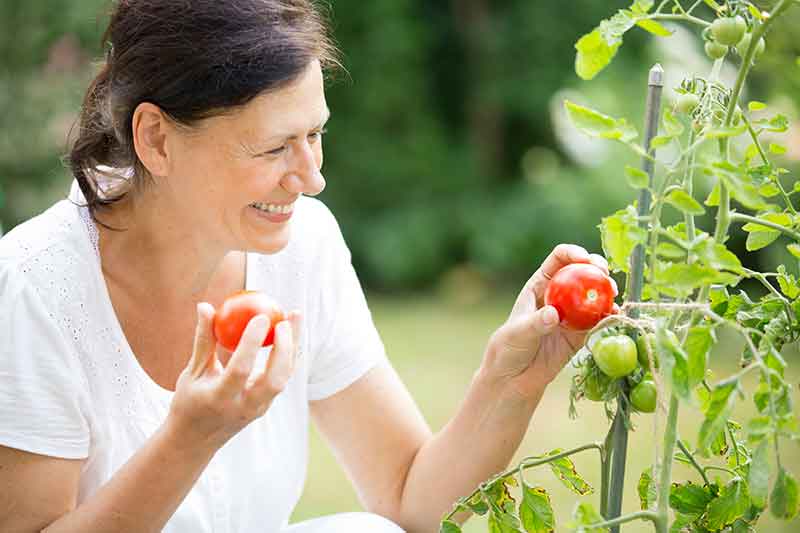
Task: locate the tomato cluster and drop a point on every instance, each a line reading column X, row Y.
column 617, row 359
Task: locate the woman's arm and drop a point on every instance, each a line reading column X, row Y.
column 403, row 472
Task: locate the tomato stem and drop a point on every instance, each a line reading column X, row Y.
column 665, row 476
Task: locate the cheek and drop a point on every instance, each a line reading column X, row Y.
column 318, row 154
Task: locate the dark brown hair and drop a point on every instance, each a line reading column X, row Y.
column 193, row 59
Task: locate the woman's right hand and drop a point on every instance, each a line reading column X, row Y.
column 213, row 402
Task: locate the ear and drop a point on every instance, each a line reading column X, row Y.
column 150, row 131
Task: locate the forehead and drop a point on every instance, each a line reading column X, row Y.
column 294, row 108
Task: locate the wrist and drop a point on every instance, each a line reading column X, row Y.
column 515, row 392
column 179, row 441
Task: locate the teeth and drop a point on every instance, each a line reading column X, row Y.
column 273, row 208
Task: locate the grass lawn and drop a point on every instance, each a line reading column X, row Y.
column 436, row 346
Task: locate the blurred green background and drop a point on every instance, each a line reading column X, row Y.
column 449, row 165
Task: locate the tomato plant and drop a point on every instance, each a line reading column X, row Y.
column 236, row 311
column 682, row 286
column 582, row 294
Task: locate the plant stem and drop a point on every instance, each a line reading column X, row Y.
column 694, row 462
column 665, row 477
column 618, row 460
column 741, row 217
column 687, row 17
column 765, row 160
column 615, row 522
column 722, row 469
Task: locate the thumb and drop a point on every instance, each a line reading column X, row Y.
column 534, row 324
column 204, row 341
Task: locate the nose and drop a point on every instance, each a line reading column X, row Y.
column 304, row 176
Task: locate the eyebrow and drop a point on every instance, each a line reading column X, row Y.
column 291, row 136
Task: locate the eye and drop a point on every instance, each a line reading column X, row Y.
column 315, row 136
column 276, row 151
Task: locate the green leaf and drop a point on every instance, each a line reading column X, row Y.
column 716, row 255
column 500, row 522
column 637, row 178
column 594, row 54
column 738, row 182
column 681, row 200
column 723, row 398
column 654, row 27
column 756, row 106
column 698, row 344
column 620, row 233
column 477, row 504
column 794, row 249
column 675, row 362
column 722, row 132
column 498, row 495
column 688, row 498
column 680, row 280
column 668, row 250
column 565, row 470
column 783, row 500
column 713, row 197
column 535, row 510
column 647, row 489
column 448, row 526
column 672, row 125
column 585, row 515
column 777, row 124
column 758, row 428
column 782, row 219
column 757, row 240
column 596, row 124
column 758, row 477
column 732, row 502
column 660, row 140
column 777, row 148
column 787, row 283
column 769, row 190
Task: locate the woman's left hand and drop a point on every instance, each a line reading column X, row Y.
column 531, row 347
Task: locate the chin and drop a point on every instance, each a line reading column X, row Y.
column 271, row 244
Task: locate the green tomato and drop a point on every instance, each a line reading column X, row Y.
column 686, row 103
column 615, row 355
column 728, row 30
column 714, row 50
column 744, row 44
column 595, row 386
column 644, row 395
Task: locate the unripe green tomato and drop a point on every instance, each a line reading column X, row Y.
column 686, row 103
column 644, row 396
column 615, row 355
column 744, row 44
column 728, row 30
column 715, row 50
column 595, row 386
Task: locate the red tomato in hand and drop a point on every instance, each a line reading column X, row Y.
column 237, row 310
column 582, row 294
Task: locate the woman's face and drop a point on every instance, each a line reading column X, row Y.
column 237, row 177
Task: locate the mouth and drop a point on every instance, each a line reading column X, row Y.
column 273, row 212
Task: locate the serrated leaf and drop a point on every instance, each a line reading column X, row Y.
column 620, row 233
column 733, row 501
column 498, row 495
column 716, row 255
column 503, row 523
column 680, row 280
column 477, row 504
column 723, row 397
column 758, row 476
column 535, row 510
column 688, row 498
column 637, row 178
column 565, row 470
column 594, row 54
column 681, row 200
column 756, row 106
column 783, row 500
column 667, row 250
column 735, row 178
column 596, row 124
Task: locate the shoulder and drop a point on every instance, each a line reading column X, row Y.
column 45, row 250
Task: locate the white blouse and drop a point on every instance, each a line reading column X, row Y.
column 71, row 387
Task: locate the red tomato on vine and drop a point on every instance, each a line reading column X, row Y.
column 237, row 310
column 582, row 294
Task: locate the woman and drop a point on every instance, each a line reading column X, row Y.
column 118, row 412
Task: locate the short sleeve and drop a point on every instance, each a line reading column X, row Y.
column 345, row 343
column 43, row 398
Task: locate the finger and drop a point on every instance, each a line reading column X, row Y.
column 537, row 324
column 599, row 261
column 614, row 285
column 280, row 364
column 204, row 341
column 561, row 256
column 241, row 363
